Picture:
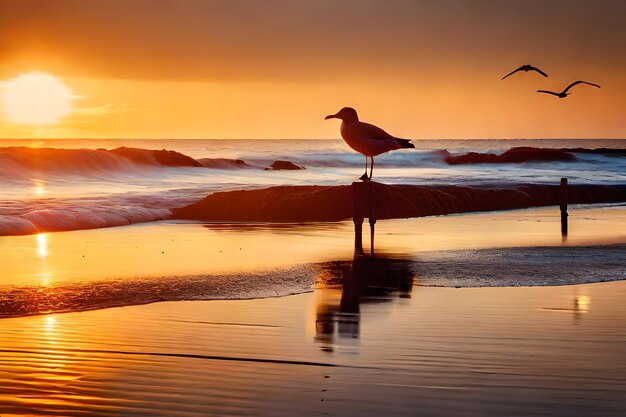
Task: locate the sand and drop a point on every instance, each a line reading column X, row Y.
column 431, row 351
column 188, row 249
column 315, row 203
column 384, row 344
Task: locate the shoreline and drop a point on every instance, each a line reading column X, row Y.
column 312, row 289
column 72, row 271
column 49, row 189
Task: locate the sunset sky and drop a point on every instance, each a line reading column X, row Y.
column 274, row 69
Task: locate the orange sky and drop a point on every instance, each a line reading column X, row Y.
column 274, row 69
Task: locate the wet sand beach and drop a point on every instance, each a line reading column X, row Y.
column 431, row 351
column 312, row 208
column 91, row 269
column 361, row 336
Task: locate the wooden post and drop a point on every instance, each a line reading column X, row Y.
column 358, row 233
column 372, row 216
column 372, row 223
column 362, row 207
column 359, row 212
column 563, row 204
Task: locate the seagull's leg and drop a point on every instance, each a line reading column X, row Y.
column 371, row 168
column 364, row 177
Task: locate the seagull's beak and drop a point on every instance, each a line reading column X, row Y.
column 331, row 116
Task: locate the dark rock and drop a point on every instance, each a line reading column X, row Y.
column 513, row 155
column 156, row 157
column 598, row 151
column 277, row 165
column 223, row 163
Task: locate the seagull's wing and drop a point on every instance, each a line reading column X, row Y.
column 369, row 131
column 539, row 71
column 513, row 72
column 548, row 92
column 579, row 82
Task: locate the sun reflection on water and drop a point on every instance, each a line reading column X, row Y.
column 39, row 187
column 42, row 245
column 50, row 323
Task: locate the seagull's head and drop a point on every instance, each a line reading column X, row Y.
column 347, row 114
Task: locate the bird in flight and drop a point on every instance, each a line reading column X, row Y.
column 366, row 139
column 526, row 68
column 564, row 93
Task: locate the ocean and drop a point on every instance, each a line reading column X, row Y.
column 85, row 224
column 85, row 187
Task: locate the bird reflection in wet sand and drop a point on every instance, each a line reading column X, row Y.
column 344, row 285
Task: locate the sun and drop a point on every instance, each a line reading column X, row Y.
column 36, row 98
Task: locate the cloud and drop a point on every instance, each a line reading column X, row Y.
column 301, row 40
column 104, row 109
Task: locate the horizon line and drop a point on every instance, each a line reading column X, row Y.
column 416, row 139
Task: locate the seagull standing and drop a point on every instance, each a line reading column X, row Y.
column 526, row 68
column 366, row 139
column 564, row 93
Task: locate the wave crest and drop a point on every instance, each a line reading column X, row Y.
column 76, row 218
column 24, row 162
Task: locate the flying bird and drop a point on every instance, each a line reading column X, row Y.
column 564, row 93
column 366, row 139
column 526, row 68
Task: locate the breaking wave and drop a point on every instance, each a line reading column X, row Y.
column 54, row 189
column 78, row 218
column 25, row 162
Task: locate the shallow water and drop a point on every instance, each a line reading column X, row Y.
column 91, row 269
